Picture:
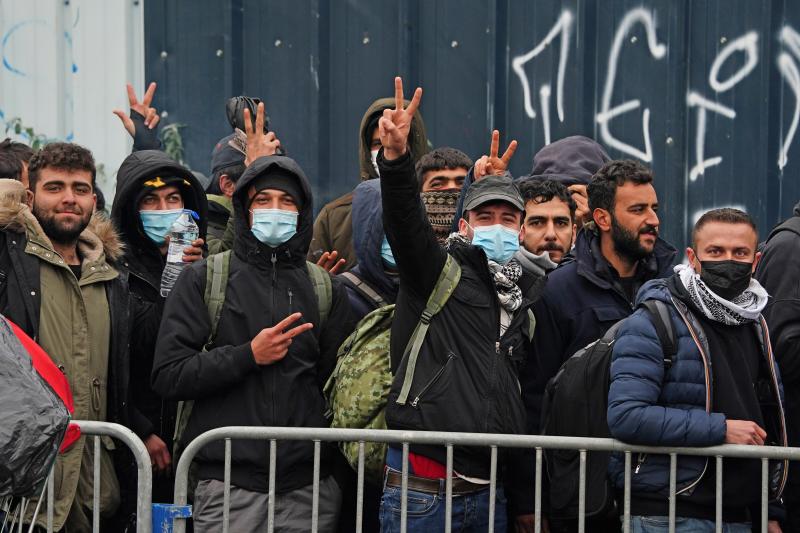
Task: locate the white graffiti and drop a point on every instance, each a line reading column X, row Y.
column 788, row 69
column 704, row 105
column 607, row 113
column 747, row 43
column 544, row 99
column 563, row 26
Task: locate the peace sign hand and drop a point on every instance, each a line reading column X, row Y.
column 492, row 165
column 150, row 115
column 395, row 124
column 259, row 144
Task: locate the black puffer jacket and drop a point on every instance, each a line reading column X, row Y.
column 144, row 263
column 229, row 389
column 466, row 376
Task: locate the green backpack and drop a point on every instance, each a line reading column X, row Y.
column 358, row 388
column 217, row 271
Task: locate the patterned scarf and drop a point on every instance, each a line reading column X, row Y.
column 505, row 276
column 744, row 308
column 441, row 209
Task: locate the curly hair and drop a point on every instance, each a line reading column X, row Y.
column 540, row 191
column 61, row 156
column 602, row 190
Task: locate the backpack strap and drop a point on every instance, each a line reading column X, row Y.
column 659, row 313
column 321, row 281
column 445, row 285
column 363, row 288
column 217, row 270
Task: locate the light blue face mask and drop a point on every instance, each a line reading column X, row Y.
column 157, row 223
column 498, row 241
column 387, row 255
column 274, row 227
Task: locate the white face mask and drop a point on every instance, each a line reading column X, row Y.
column 374, row 155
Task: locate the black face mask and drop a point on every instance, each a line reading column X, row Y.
column 728, row 279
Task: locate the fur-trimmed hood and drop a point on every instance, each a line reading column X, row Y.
column 99, row 237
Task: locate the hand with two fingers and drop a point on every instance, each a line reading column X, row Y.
column 395, row 124
column 272, row 344
column 147, row 114
column 259, row 144
column 494, row 164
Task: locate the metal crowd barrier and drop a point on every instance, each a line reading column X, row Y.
column 181, row 511
column 13, row 521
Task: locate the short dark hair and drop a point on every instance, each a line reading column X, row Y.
column 442, row 158
column 10, row 166
column 728, row 215
column 540, row 191
column 234, row 172
column 22, row 151
column 602, row 190
column 62, row 156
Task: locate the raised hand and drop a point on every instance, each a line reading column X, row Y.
column 143, row 108
column 395, row 124
column 330, row 261
column 272, row 344
column 492, row 164
column 259, row 144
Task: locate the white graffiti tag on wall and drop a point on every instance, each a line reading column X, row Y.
column 742, row 52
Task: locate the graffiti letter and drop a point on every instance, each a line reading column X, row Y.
column 544, row 98
column 704, row 105
column 563, row 26
column 657, row 50
column 748, row 43
column 788, row 68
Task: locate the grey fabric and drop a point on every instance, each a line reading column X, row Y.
column 248, row 510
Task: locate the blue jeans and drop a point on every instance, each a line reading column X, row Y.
column 426, row 512
column 660, row 524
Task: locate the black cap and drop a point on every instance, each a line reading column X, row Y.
column 225, row 156
column 493, row 189
column 280, row 180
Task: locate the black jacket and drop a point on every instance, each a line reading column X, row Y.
column 466, row 375
column 144, row 263
column 581, row 300
column 228, row 388
column 20, row 302
column 779, row 272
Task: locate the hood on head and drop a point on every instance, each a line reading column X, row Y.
column 572, row 160
column 368, row 235
column 797, row 210
column 418, row 138
column 298, row 245
column 135, row 170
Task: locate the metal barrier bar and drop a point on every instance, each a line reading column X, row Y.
column 273, row 461
column 626, row 504
column 539, row 442
column 718, row 497
column 537, row 503
column 448, row 502
column 226, row 489
column 764, row 494
column 315, row 490
column 360, row 489
column 582, row 493
column 673, row 480
column 96, row 485
column 492, row 487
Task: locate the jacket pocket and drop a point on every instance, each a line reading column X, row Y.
column 431, row 382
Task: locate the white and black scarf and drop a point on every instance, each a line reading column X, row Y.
column 746, row 307
column 505, row 276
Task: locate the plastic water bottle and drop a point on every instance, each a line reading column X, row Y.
column 183, row 233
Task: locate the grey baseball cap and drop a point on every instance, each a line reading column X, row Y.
column 493, row 189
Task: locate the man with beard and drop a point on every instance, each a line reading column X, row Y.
column 613, row 257
column 58, row 282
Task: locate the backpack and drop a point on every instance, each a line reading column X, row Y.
column 575, row 405
column 358, row 388
column 217, row 271
column 364, row 289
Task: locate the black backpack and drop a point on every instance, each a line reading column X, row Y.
column 575, row 405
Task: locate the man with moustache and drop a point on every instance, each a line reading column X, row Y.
column 614, row 256
column 58, row 282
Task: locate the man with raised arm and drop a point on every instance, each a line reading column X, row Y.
column 464, row 377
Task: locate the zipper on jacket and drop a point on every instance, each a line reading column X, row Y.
column 434, row 379
column 274, row 261
column 771, row 364
column 707, row 369
column 639, row 462
column 289, row 291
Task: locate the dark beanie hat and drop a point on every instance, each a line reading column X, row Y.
column 281, row 180
column 225, row 156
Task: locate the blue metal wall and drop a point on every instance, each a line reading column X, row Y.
column 705, row 91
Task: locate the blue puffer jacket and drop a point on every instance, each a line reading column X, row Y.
column 647, row 406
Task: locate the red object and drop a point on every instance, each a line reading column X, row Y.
column 53, row 375
column 421, row 466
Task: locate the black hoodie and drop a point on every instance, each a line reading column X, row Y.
column 144, row 262
column 265, row 285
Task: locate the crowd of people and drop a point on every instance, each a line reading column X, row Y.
column 495, row 281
